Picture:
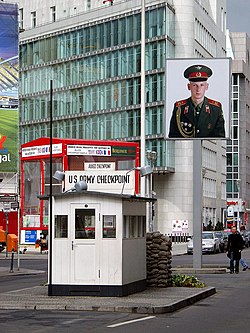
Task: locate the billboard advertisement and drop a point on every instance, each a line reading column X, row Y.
column 8, row 87
column 198, row 98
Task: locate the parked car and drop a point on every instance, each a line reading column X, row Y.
column 226, row 233
column 244, row 235
column 222, row 240
column 210, row 243
column 248, row 237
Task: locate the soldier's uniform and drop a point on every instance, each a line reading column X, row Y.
column 203, row 121
column 187, row 122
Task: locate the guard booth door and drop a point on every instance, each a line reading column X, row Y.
column 85, row 243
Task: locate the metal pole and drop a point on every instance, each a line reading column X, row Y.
column 7, row 231
column 197, row 204
column 150, row 203
column 50, row 193
column 18, row 223
column 238, row 211
column 150, row 182
column 143, row 112
column 238, row 204
column 12, row 262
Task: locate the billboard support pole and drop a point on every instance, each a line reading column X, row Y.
column 143, row 111
column 50, row 192
column 197, row 203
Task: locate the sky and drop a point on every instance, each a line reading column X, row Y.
column 238, row 16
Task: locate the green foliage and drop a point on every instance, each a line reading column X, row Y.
column 44, row 284
column 181, row 280
column 219, row 226
column 209, row 227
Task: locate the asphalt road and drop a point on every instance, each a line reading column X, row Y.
column 226, row 311
column 218, row 259
column 37, row 261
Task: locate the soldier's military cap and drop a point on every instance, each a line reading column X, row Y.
column 197, row 73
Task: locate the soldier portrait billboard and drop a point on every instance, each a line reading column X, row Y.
column 198, row 98
column 8, row 87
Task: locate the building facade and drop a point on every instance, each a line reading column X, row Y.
column 238, row 151
column 91, row 53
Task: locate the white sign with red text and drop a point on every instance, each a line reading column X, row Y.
column 41, row 150
column 89, row 150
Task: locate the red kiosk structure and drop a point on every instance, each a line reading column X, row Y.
column 105, row 165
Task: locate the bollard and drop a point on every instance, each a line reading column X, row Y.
column 12, row 261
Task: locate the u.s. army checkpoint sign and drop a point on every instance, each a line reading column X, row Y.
column 114, row 181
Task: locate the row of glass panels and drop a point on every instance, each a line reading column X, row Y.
column 115, row 64
column 99, row 36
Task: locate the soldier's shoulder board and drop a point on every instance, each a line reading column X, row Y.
column 215, row 103
column 180, row 103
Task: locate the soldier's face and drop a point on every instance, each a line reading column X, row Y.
column 198, row 89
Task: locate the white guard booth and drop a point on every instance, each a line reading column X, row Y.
column 98, row 244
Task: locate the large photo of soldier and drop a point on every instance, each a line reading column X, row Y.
column 197, row 106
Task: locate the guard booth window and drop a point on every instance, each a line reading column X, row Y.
column 61, row 226
column 109, row 226
column 134, row 226
column 84, row 224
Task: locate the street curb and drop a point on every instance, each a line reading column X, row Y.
column 186, row 270
column 185, row 302
column 61, row 304
column 7, row 272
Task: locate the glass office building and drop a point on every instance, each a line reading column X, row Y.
column 238, row 153
column 91, row 52
column 95, row 71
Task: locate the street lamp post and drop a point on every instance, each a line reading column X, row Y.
column 238, row 181
column 151, row 157
column 197, row 203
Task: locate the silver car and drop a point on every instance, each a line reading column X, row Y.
column 210, row 243
column 222, row 239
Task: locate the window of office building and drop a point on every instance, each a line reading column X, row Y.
column 53, row 13
column 33, row 19
column 21, row 19
column 209, row 158
column 209, row 187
